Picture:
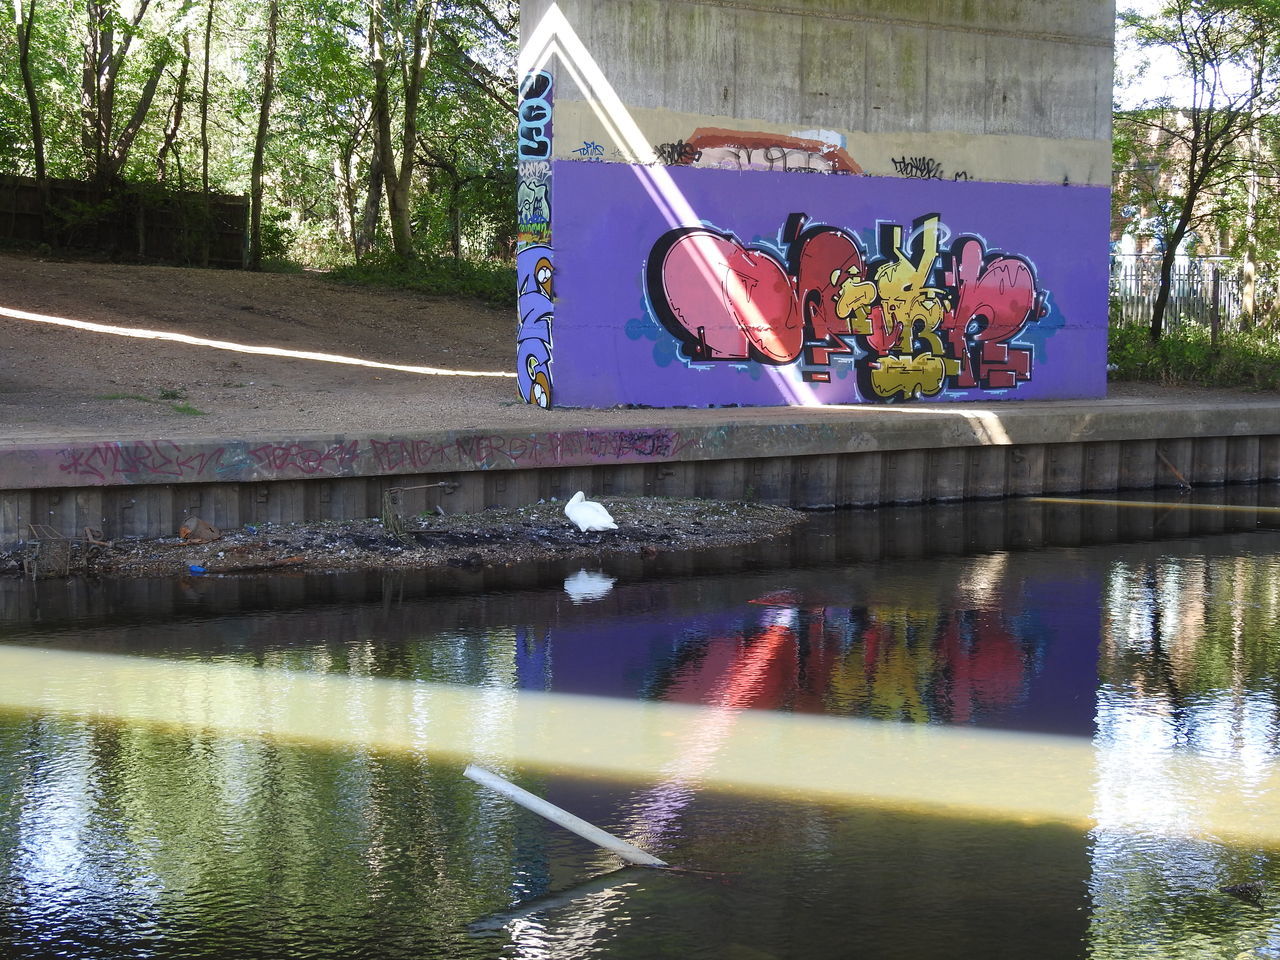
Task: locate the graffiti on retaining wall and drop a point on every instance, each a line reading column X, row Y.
column 534, row 258
column 140, row 459
column 533, row 186
column 678, row 153
column 718, row 149
column 923, row 168
column 590, row 150
column 534, row 273
column 913, row 313
column 162, row 461
column 536, row 450
column 305, row 459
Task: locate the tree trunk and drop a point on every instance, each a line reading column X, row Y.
column 206, row 237
column 105, row 153
column 1249, row 269
column 399, row 177
column 1167, row 258
column 119, row 154
column 401, row 225
column 260, row 142
column 170, row 145
column 368, row 231
column 455, row 219
column 90, row 89
column 24, row 30
column 381, row 129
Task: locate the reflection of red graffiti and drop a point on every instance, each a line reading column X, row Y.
column 964, row 668
column 754, row 673
column 987, row 670
column 923, row 315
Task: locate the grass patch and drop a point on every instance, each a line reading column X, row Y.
column 1186, row 355
column 443, row 276
column 176, row 399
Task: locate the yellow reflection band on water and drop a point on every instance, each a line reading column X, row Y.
column 943, row 770
column 1149, row 504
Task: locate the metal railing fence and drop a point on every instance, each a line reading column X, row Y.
column 1201, row 290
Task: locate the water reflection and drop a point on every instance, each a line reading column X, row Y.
column 585, row 586
column 976, row 732
column 1187, row 711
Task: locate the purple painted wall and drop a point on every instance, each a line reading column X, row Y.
column 694, row 287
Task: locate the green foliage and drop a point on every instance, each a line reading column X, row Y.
column 175, row 398
column 445, row 276
column 1178, row 165
column 321, row 139
column 1186, row 355
column 277, row 235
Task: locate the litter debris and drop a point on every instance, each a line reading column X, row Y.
column 48, row 553
column 588, row 831
column 195, row 530
column 393, row 520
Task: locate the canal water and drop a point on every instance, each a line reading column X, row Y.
column 1016, row 729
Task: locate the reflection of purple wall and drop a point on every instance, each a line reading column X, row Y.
column 1063, row 690
column 1030, row 665
column 622, row 657
column 613, row 346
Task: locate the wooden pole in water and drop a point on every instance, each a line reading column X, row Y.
column 564, row 818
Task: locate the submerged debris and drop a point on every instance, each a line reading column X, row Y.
column 1250, row 893
column 647, row 526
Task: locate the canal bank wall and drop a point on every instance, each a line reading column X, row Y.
column 808, row 458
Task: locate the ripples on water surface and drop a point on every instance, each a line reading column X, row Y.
column 996, row 731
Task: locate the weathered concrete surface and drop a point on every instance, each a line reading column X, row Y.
column 1016, row 158
column 809, row 457
column 893, row 78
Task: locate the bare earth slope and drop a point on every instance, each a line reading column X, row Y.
column 58, row 381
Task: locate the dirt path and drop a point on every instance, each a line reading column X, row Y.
column 58, row 381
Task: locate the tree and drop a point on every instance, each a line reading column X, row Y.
column 260, row 141
column 467, row 109
column 401, row 30
column 24, row 26
column 410, row 100
column 1226, row 50
column 107, row 41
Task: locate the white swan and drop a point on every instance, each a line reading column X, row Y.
column 588, row 514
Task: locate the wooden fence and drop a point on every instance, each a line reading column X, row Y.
column 129, row 221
